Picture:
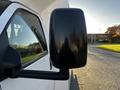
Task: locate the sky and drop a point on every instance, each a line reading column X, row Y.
column 99, row 14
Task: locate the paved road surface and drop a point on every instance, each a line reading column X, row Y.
column 102, row 71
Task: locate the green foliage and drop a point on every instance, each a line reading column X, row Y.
column 30, row 58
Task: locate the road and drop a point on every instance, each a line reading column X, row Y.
column 102, row 71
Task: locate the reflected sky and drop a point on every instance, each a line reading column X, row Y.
column 99, row 13
column 22, row 35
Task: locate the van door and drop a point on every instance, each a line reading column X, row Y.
column 25, row 34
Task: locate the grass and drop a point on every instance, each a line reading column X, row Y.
column 110, row 47
column 30, row 58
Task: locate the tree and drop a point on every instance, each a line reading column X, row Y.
column 114, row 33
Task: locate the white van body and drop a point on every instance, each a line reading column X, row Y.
column 42, row 9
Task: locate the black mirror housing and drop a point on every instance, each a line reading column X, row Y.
column 10, row 66
column 68, row 38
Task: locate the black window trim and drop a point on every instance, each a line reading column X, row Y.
column 5, row 4
column 42, row 54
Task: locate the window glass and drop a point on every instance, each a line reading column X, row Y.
column 25, row 35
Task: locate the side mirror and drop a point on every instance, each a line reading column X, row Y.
column 68, row 48
column 68, row 39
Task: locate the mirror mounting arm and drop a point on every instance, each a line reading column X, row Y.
column 34, row 74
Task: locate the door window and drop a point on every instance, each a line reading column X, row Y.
column 26, row 36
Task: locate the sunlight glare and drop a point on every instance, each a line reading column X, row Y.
column 92, row 25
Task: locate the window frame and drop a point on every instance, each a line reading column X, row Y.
column 36, row 35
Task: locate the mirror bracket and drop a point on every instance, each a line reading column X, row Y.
column 34, row 74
